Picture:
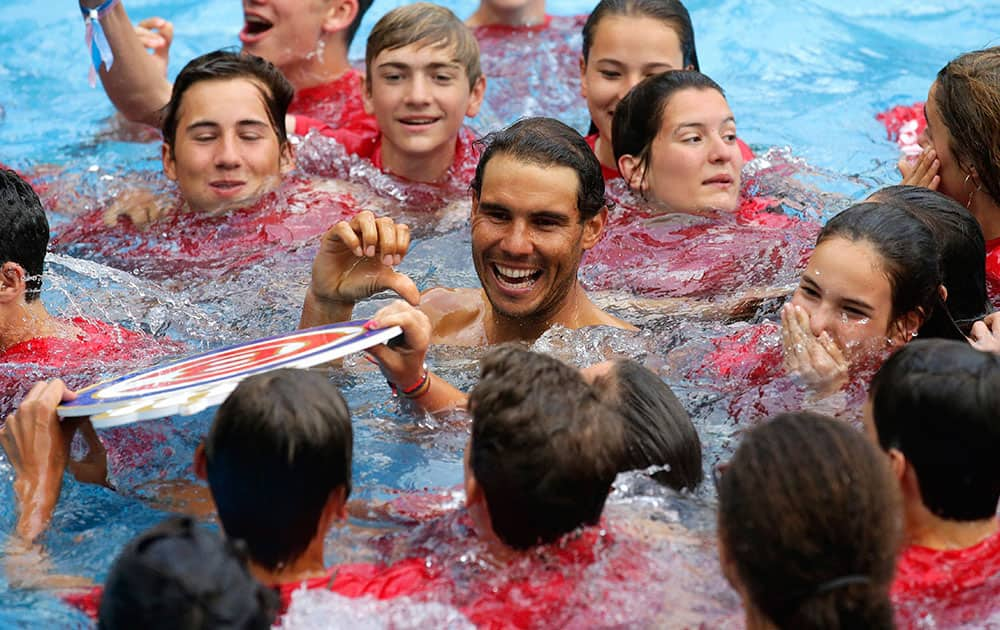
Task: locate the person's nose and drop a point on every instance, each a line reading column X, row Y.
column 419, row 93
column 517, row 239
column 228, row 154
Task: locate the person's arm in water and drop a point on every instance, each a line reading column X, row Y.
column 355, row 261
column 135, row 83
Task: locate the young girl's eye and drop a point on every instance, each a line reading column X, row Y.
column 610, row 74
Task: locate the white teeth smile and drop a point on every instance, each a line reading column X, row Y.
column 418, row 121
column 515, row 274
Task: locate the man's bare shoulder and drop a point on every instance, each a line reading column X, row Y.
column 456, row 315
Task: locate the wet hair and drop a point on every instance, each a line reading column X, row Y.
column 25, row 230
column 544, row 449
column 279, row 446
column 180, row 575
column 224, row 65
column 968, row 97
column 363, row 6
column 908, row 256
column 429, row 24
column 548, row 142
column 658, row 431
column 938, row 403
column 960, row 243
column 671, row 12
column 810, row 518
column 639, row 116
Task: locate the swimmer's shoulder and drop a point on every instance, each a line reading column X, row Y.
column 456, row 315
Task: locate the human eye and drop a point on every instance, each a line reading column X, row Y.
column 392, row 77
column 205, row 137
column 251, row 136
column 691, row 139
column 611, row 75
column 444, row 78
column 547, row 222
column 496, row 215
column 808, row 291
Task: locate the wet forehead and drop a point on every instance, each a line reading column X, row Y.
column 527, row 187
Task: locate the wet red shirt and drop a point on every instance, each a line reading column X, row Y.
column 949, row 587
column 903, row 125
column 337, row 103
column 993, row 268
column 612, row 173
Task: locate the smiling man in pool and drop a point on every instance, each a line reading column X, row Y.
column 537, row 205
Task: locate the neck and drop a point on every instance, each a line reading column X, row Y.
column 987, row 212
column 531, row 14
column 929, row 530
column 605, row 153
column 576, row 311
column 327, row 63
column 430, row 167
column 27, row 320
column 308, row 565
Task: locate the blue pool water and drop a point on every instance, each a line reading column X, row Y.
column 807, row 77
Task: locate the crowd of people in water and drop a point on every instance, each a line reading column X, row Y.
column 879, row 513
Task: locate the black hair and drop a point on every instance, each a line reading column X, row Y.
column 639, row 116
column 909, row 259
column 960, row 243
column 180, row 575
column 25, row 230
column 280, row 445
column 548, row 142
column 275, row 90
column 658, row 431
column 938, row 403
column 671, row 12
column 809, row 518
column 363, row 6
column 544, row 449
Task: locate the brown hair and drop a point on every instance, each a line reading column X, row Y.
column 810, row 517
column 426, row 23
column 968, row 97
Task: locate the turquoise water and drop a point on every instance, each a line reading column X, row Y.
column 806, row 78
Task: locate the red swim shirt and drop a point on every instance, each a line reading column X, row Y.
column 337, row 103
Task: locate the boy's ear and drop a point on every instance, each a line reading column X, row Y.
column 366, row 95
column 593, row 228
column 476, row 97
column 286, row 161
column 583, row 84
column 473, row 491
column 169, row 164
column 340, row 16
column 13, row 282
column 200, row 462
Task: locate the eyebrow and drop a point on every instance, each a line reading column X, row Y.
column 859, row 304
column 453, row 64
column 547, row 214
column 730, row 119
column 211, row 124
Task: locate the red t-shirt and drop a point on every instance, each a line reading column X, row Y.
column 338, row 103
column 993, row 268
column 951, row 587
column 612, row 173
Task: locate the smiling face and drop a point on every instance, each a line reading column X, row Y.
column 847, row 294
column 285, row 32
column 226, row 153
column 936, row 136
column 694, row 162
column 527, row 237
column 625, row 50
column 420, row 96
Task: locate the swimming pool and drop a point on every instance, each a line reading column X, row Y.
column 809, row 76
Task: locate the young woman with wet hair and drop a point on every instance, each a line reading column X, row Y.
column 961, row 143
column 625, row 41
column 809, row 526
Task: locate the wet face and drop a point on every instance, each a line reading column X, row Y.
column 527, row 238
column 285, row 32
column 694, row 162
column 847, row 294
column 953, row 178
column 420, row 96
column 624, row 51
column 226, row 153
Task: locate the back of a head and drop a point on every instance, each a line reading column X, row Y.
column 426, row 24
column 548, row 142
column 967, row 96
column 179, row 575
column 938, row 402
column 220, row 65
column 544, row 449
column 960, row 244
column 280, row 444
column 810, row 518
column 24, row 230
column 658, row 431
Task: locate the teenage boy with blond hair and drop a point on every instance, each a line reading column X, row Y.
column 422, row 79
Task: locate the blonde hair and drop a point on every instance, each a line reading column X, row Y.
column 428, row 23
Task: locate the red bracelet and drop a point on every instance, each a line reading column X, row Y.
column 416, row 390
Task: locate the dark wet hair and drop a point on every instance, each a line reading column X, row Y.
column 938, row 403
column 909, row 259
column 810, row 518
column 180, row 575
column 24, row 230
column 960, row 243
column 967, row 98
column 671, row 12
column 639, row 116
column 363, row 6
column 221, row 65
column 544, row 449
column 548, row 142
column 280, row 444
column 658, row 431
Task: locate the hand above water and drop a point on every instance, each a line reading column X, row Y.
column 818, row 360
column 923, row 172
column 985, row 334
column 156, row 34
column 355, row 260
